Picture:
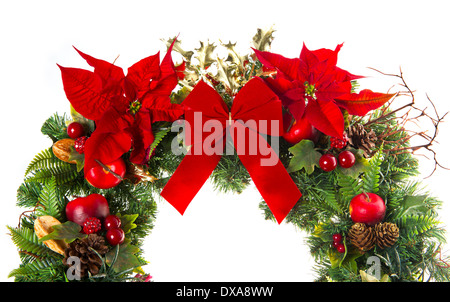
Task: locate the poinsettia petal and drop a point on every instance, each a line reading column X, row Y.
column 114, row 120
column 161, row 109
column 324, row 54
column 329, row 91
column 105, row 147
column 326, row 117
column 288, row 67
column 108, row 72
column 343, row 75
column 140, row 75
column 142, row 137
column 180, row 70
column 364, row 101
column 83, row 89
column 167, row 66
column 308, row 57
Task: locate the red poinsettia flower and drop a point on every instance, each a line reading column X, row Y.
column 313, row 87
column 123, row 107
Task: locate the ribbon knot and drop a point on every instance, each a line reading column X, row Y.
column 255, row 113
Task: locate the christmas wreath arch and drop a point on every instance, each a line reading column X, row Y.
column 335, row 160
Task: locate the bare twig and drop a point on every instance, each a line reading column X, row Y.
column 411, row 108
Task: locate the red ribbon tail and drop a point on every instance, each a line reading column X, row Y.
column 273, row 182
column 188, row 179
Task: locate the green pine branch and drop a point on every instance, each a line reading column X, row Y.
column 44, row 269
column 371, row 178
column 55, row 127
column 63, row 173
column 44, row 159
column 26, row 240
column 48, row 201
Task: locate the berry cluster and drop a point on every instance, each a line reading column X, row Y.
column 112, row 224
column 328, row 162
column 79, row 144
column 337, row 243
column 339, row 143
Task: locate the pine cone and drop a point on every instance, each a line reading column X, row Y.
column 386, row 234
column 359, row 138
column 362, row 236
column 89, row 260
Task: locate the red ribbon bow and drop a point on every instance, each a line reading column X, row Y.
column 254, row 103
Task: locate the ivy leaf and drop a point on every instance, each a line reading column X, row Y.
column 361, row 165
column 319, row 232
column 305, row 156
column 126, row 258
column 414, row 205
column 128, row 222
column 77, row 157
column 67, row 231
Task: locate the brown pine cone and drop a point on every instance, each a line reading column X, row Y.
column 89, row 260
column 386, row 234
column 362, row 236
column 359, row 138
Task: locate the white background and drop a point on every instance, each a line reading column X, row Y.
column 220, row 237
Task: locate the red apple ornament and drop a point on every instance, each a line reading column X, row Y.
column 368, row 208
column 300, row 130
column 94, row 205
column 101, row 178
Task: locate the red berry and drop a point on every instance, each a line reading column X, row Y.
column 79, row 144
column 75, row 130
column 337, row 237
column 346, row 159
column 340, row 248
column 338, row 143
column 327, row 162
column 91, row 225
column 115, row 236
column 112, row 222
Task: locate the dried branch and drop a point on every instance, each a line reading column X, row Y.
column 411, row 109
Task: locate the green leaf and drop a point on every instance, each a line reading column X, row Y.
column 414, row 205
column 304, row 157
column 128, row 222
column 125, row 259
column 79, row 158
column 67, row 231
column 348, row 258
column 319, row 232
